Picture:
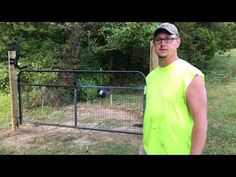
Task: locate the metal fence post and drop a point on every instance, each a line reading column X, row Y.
column 75, row 103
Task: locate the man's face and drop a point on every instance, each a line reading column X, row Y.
column 166, row 44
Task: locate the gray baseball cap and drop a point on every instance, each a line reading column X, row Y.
column 171, row 28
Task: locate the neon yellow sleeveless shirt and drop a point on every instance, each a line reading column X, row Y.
column 167, row 121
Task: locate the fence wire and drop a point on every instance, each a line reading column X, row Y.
column 87, row 102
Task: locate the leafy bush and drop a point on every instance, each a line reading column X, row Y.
column 4, row 78
column 87, row 94
column 198, row 44
column 5, row 110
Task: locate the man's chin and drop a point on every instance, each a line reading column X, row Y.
column 162, row 56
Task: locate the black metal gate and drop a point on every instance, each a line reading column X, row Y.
column 86, row 99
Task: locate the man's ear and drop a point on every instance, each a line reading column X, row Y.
column 178, row 42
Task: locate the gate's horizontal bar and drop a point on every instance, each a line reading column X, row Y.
column 85, row 128
column 47, row 85
column 86, row 86
column 83, row 71
column 112, row 87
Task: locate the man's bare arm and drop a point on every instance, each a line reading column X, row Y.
column 197, row 103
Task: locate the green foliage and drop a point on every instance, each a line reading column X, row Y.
column 91, row 79
column 42, row 44
column 198, row 44
column 4, row 78
column 47, row 96
column 87, row 94
column 5, row 110
column 106, row 45
column 123, row 46
column 222, row 68
column 225, row 35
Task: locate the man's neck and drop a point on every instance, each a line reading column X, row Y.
column 163, row 62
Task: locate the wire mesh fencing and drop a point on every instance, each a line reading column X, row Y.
column 96, row 100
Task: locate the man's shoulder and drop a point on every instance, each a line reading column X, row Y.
column 151, row 73
column 187, row 65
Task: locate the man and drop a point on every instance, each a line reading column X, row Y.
column 175, row 119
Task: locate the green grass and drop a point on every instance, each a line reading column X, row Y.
column 5, row 110
column 222, row 107
column 112, row 148
column 221, row 118
column 47, row 114
column 6, row 150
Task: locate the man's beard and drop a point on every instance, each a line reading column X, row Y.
column 162, row 57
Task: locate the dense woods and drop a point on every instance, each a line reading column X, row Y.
column 106, row 45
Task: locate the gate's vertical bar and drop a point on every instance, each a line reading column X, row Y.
column 144, row 100
column 75, row 102
column 19, row 99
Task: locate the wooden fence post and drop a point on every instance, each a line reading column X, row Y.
column 153, row 57
column 13, row 89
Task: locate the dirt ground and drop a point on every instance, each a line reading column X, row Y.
column 44, row 139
